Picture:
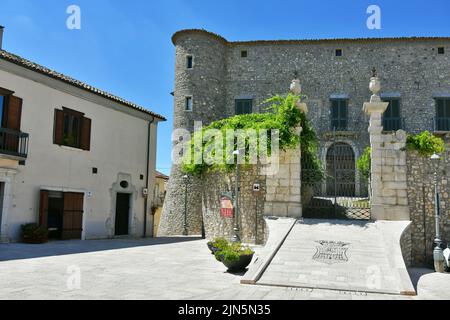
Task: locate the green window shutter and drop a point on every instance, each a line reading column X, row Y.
column 243, row 106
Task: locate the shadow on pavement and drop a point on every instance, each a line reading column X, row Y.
column 20, row 251
column 417, row 273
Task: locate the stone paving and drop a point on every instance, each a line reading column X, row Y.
column 175, row 268
column 338, row 255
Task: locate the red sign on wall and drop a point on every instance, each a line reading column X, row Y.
column 226, row 207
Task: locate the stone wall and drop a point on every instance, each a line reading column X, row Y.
column 422, row 204
column 251, row 205
column 406, row 245
column 283, row 197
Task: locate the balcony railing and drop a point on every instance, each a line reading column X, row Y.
column 13, row 143
column 442, row 124
column 393, row 124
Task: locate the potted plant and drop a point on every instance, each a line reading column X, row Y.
column 34, row 234
column 235, row 257
column 217, row 244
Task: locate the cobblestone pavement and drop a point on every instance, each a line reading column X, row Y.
column 176, row 268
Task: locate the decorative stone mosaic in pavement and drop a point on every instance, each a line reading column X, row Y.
column 338, row 255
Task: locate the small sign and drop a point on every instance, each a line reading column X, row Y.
column 256, row 187
column 226, row 207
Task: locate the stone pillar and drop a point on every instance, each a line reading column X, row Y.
column 283, row 194
column 388, row 167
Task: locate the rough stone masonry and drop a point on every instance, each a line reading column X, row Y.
column 411, row 69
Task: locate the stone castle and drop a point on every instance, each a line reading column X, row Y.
column 216, row 79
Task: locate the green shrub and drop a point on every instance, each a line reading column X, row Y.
column 426, row 143
column 33, row 233
column 220, row 243
column 232, row 252
column 364, row 163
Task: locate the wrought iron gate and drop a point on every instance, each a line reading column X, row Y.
column 337, row 194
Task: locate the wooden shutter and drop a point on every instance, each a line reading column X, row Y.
column 43, row 208
column 14, row 113
column 58, row 127
column 85, row 134
column 73, row 216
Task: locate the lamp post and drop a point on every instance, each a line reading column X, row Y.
column 186, row 180
column 438, row 254
column 236, row 237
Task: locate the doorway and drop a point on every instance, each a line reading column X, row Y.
column 55, row 215
column 122, row 214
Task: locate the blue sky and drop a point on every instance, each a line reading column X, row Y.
column 124, row 47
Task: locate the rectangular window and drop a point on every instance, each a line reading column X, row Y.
column 189, row 62
column 443, row 114
column 188, row 104
column 243, row 106
column 338, row 52
column 244, row 54
column 339, row 114
column 441, row 50
column 391, row 117
column 72, row 129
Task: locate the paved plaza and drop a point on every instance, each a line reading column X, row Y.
column 171, row 268
column 341, row 255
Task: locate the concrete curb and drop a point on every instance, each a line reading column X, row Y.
column 279, row 230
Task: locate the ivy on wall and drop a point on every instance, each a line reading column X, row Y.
column 281, row 114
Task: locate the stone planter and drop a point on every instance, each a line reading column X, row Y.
column 212, row 248
column 239, row 265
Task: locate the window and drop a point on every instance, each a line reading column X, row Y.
column 188, row 104
column 243, row 106
column 443, row 114
column 244, row 54
column 339, row 114
column 441, row 50
column 338, row 52
column 391, row 117
column 72, row 129
column 189, row 62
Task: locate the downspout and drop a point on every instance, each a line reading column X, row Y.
column 147, row 178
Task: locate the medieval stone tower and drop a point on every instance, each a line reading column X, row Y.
column 199, row 96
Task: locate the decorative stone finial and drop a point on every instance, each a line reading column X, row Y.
column 296, row 87
column 375, row 87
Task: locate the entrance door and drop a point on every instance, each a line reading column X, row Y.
column 62, row 214
column 122, row 214
column 341, row 170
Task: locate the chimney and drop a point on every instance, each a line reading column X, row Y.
column 1, row 36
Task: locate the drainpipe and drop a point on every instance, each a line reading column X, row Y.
column 147, row 178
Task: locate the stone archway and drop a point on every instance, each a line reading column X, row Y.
column 356, row 154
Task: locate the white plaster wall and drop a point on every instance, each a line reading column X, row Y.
column 118, row 145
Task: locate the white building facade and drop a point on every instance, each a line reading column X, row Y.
column 74, row 159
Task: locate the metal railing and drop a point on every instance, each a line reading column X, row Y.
column 393, row 124
column 441, row 124
column 13, row 143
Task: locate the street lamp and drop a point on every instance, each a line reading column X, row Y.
column 186, row 180
column 438, row 254
column 236, row 237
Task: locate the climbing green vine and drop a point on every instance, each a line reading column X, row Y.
column 364, row 163
column 281, row 113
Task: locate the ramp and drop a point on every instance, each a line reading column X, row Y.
column 340, row 255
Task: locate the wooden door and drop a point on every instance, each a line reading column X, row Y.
column 43, row 208
column 73, row 216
